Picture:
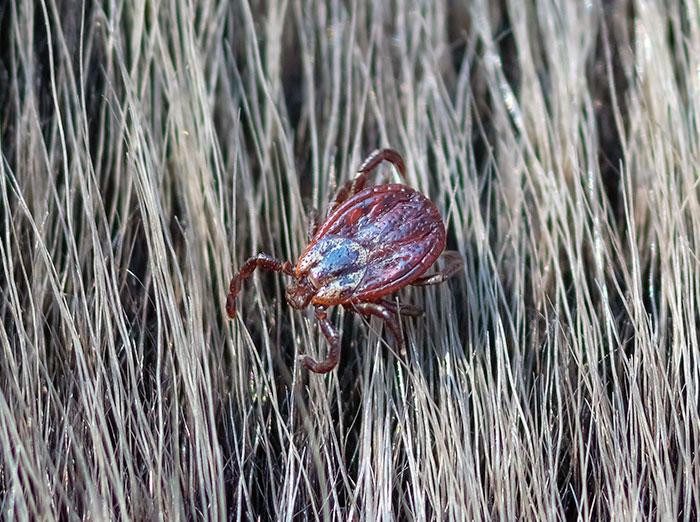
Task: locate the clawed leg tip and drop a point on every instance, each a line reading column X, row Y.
column 231, row 306
column 314, row 366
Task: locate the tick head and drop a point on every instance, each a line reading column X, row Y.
column 299, row 292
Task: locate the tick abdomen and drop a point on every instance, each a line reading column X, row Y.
column 375, row 242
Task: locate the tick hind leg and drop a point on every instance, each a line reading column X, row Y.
column 333, row 338
column 453, row 264
column 408, row 310
column 372, row 162
column 263, row 261
column 379, row 310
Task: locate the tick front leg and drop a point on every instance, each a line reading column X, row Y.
column 453, row 264
column 382, row 311
column 373, row 160
column 333, row 338
column 263, row 261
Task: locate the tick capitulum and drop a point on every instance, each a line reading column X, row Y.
column 373, row 242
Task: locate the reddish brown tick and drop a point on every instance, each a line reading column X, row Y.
column 373, row 242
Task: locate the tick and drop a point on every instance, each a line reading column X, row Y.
column 373, row 242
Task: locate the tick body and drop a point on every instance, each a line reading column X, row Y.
column 373, row 242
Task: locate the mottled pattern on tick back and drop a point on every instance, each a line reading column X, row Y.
column 377, row 241
column 335, row 266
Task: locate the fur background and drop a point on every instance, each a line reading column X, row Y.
column 148, row 148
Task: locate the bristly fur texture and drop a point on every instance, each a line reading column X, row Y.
column 148, row 148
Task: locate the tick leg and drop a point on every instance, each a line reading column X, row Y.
column 373, row 160
column 453, row 264
column 263, row 261
column 408, row 310
column 379, row 155
column 333, row 338
column 312, row 225
column 382, row 311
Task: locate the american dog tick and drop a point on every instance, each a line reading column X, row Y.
column 373, row 242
